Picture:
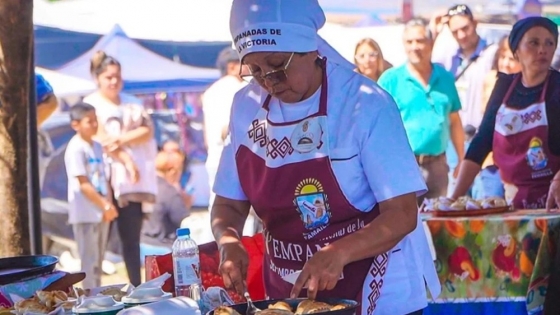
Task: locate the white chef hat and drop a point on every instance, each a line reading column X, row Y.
column 280, row 26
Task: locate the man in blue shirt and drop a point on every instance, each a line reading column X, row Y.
column 429, row 105
column 469, row 63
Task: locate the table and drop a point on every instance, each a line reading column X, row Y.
column 496, row 264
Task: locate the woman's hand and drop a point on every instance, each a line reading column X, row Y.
column 233, row 266
column 111, row 143
column 132, row 172
column 321, row 272
column 553, row 199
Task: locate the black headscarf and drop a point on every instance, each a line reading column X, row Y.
column 522, row 26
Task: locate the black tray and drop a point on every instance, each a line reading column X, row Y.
column 14, row 269
column 350, row 310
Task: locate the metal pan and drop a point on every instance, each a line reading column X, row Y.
column 350, row 310
column 14, row 269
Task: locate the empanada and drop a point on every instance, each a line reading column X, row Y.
column 338, row 307
column 50, row 299
column 116, row 293
column 31, row 306
column 225, row 310
column 274, row 311
column 311, row 307
column 280, row 306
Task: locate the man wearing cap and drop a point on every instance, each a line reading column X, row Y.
column 321, row 154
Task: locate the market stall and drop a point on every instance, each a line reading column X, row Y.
column 494, row 264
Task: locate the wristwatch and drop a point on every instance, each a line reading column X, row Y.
column 107, row 207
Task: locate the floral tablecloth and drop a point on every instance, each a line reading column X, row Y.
column 495, row 258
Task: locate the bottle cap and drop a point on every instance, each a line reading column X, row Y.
column 183, row 232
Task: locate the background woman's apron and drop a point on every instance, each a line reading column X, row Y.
column 521, row 151
column 285, row 171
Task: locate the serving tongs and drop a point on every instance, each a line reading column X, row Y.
column 251, row 308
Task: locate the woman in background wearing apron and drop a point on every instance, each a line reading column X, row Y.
column 321, row 154
column 521, row 123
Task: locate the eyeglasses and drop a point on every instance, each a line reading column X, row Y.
column 460, row 9
column 274, row 76
column 370, row 55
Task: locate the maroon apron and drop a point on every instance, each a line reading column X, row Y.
column 522, row 153
column 285, row 172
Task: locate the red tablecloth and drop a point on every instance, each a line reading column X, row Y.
column 209, row 265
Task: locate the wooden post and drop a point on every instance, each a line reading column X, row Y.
column 16, row 35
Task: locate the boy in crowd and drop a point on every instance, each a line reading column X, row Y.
column 89, row 194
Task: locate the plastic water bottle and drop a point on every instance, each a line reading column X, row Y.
column 186, row 266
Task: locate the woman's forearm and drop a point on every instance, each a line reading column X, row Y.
column 398, row 217
column 136, row 136
column 228, row 218
column 467, row 174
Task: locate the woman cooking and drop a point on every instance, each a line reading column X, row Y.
column 320, row 152
column 516, row 126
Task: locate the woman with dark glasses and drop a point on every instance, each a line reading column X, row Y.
column 321, row 154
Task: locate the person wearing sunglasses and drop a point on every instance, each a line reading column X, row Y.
column 470, row 63
column 321, row 154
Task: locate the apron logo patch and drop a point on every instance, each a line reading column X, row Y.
column 312, row 204
column 537, row 159
column 307, row 136
column 511, row 123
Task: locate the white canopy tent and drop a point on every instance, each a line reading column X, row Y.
column 140, row 66
column 66, row 85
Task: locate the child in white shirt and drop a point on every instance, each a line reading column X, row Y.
column 89, row 194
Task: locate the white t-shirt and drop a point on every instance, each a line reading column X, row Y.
column 216, row 104
column 84, row 159
column 363, row 120
column 116, row 119
column 105, row 109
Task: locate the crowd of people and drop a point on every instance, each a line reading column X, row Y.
column 443, row 102
column 472, row 121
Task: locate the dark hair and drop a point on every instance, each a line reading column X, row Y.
column 524, row 25
column 503, row 45
column 80, row 110
column 100, row 61
column 460, row 9
column 226, row 56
